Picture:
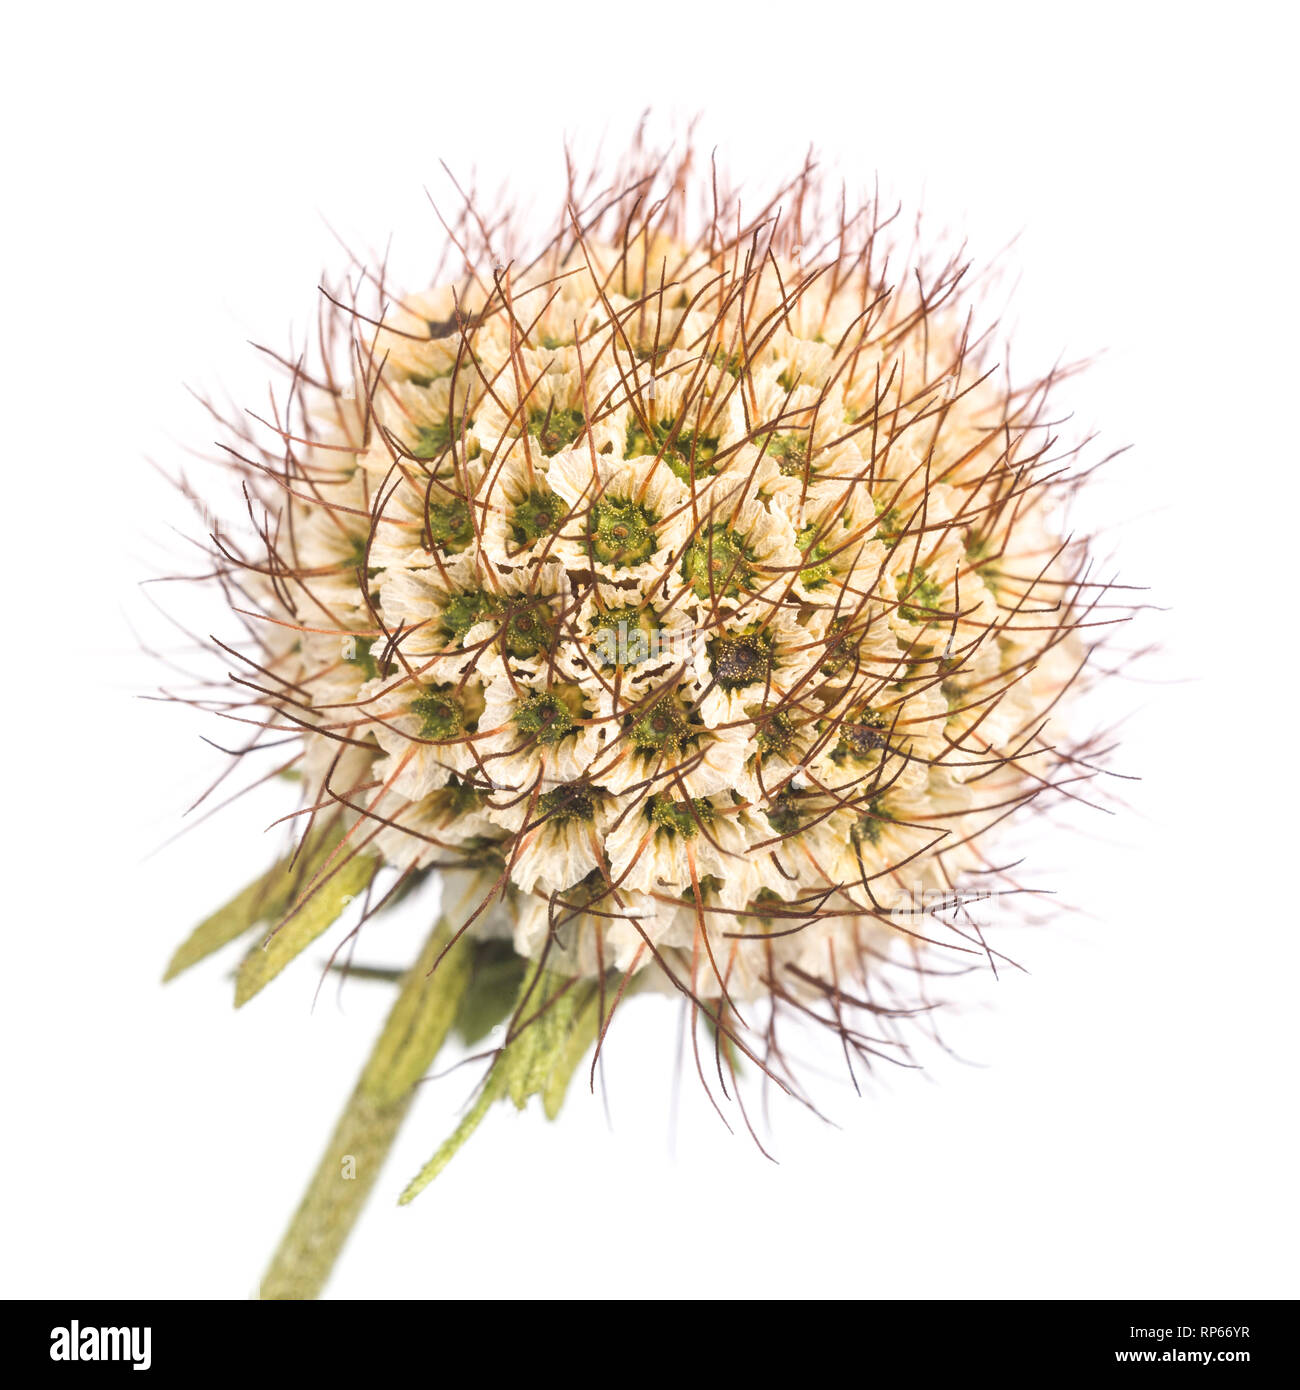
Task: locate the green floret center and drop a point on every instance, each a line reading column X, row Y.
column 356, row 556
column 574, row 802
column 443, row 714
column 775, row 733
column 361, row 657
column 687, row 450
column 455, row 799
column 861, row 737
column 549, row 715
column 466, row 609
column 628, row 639
column 842, row 646
column 790, row 452
column 765, row 897
column 451, row 526
column 435, row 439
column 530, row 629
column 889, row 526
column 871, row 824
column 742, row 658
column 540, row 514
column 784, row 815
column 555, row 429
column 918, row 592
column 663, row 728
column 717, row 562
column 680, row 817
column 978, row 549
column 620, row 532
column 432, row 440
column 818, row 571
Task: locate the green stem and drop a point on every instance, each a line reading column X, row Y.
column 415, row 1030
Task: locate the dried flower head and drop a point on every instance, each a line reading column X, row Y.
column 685, row 587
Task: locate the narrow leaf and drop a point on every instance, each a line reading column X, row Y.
column 493, row 1086
column 582, row 1034
column 264, row 900
column 547, row 1034
column 554, row 1031
column 316, row 914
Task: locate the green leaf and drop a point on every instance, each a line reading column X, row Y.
column 315, row 913
column 533, row 1054
column 559, row 1024
column 582, row 1034
column 492, row 992
column 264, row 900
column 492, row 1088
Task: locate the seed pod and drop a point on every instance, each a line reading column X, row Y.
column 692, row 600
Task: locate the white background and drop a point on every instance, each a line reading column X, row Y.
column 169, row 175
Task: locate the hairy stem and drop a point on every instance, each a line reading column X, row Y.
column 416, row 1027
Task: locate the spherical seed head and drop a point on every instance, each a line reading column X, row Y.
column 777, row 733
column 863, row 734
column 703, row 599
